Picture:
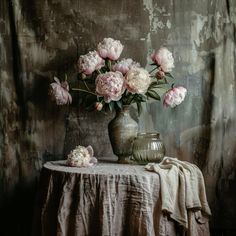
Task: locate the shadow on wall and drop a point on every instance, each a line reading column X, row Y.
column 16, row 210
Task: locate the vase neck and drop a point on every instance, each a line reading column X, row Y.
column 123, row 110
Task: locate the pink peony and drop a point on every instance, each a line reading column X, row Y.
column 137, row 80
column 90, row 62
column 163, row 57
column 110, row 86
column 175, row 96
column 110, row 48
column 60, row 92
column 124, row 65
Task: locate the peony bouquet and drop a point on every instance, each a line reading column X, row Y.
column 105, row 82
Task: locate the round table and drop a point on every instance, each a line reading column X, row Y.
column 106, row 199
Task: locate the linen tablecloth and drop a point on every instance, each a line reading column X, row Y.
column 107, row 199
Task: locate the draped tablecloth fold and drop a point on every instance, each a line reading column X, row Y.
column 107, row 199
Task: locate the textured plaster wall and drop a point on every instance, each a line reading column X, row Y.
column 40, row 39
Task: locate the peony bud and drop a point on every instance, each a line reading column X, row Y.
column 160, row 74
column 98, row 106
column 83, row 76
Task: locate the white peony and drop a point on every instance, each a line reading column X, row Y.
column 163, row 57
column 81, row 157
column 110, row 48
column 137, row 80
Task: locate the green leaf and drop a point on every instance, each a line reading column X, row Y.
column 140, row 98
column 169, row 80
column 161, row 89
column 111, row 106
column 169, row 75
column 119, row 104
column 129, row 98
column 139, row 107
column 161, row 82
column 153, row 84
column 153, row 94
column 106, row 107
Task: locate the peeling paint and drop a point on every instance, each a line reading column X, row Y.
column 168, row 24
column 156, row 19
column 149, row 7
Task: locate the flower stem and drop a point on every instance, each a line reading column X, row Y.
column 85, row 84
column 99, row 72
column 153, row 70
column 83, row 90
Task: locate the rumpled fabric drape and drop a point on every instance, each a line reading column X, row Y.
column 104, row 200
column 182, row 190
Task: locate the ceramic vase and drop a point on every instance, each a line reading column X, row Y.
column 122, row 130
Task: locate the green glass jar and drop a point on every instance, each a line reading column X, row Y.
column 148, row 147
